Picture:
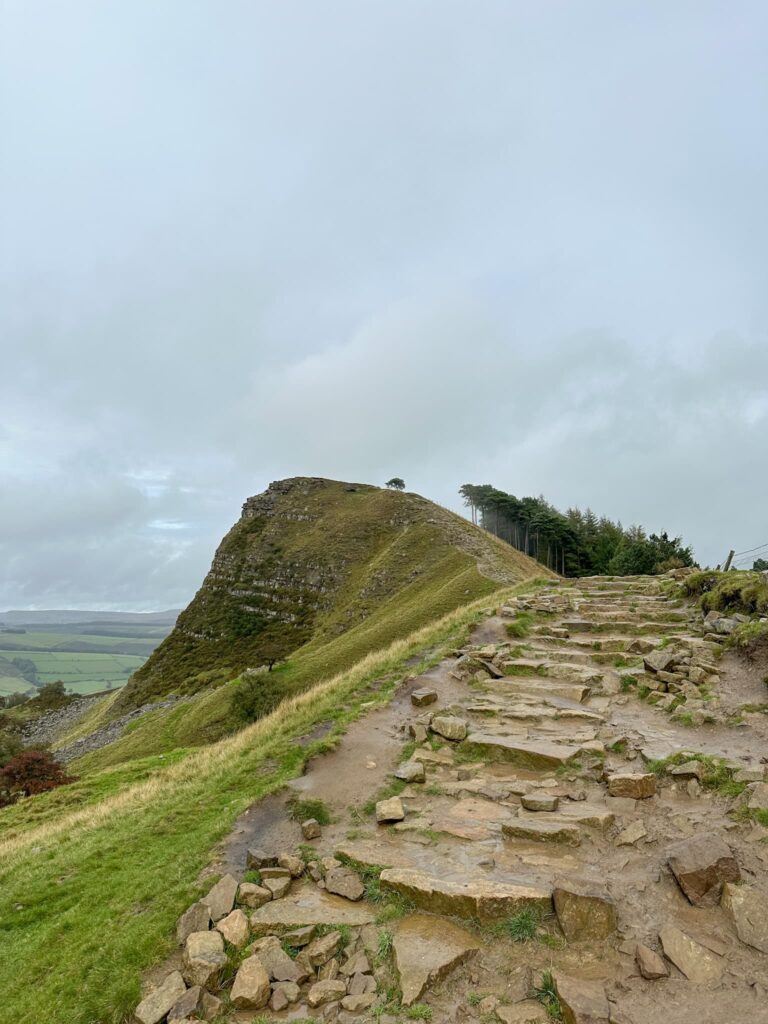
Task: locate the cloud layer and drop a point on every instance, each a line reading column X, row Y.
column 522, row 244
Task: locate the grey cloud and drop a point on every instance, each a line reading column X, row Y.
column 517, row 243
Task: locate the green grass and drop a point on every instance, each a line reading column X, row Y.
column 521, row 927
column 546, row 994
column 520, row 626
column 717, row 773
column 419, row 1011
column 302, row 810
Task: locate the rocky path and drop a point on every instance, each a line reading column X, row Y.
column 506, row 842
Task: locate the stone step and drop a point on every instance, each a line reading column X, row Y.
column 547, row 654
column 552, row 670
column 523, row 752
column 577, row 812
column 623, row 626
column 307, row 905
column 479, row 898
column 541, row 687
column 538, row 831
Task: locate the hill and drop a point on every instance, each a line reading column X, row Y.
column 312, row 562
column 67, row 616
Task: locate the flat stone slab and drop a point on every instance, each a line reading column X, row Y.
column 748, row 909
column 308, row 906
column 578, row 812
column 582, row 1001
column 542, row 831
column 526, row 753
column 692, row 959
column 701, row 865
column 426, row 949
column 475, row 897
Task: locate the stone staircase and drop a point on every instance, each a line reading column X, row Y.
column 519, row 868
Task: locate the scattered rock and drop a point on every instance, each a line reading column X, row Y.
column 278, row 886
column 234, row 928
column 290, row 990
column 310, row 828
column 650, row 964
column 584, row 910
column 418, row 731
column 660, row 660
column 358, row 1003
column 582, row 1001
column 251, row 989
column 276, row 962
column 701, row 865
column 449, row 727
column 258, row 859
column 748, row 909
column 390, row 810
column 343, row 881
column 323, row 992
column 693, row 960
column 631, row 834
column 758, row 800
column 636, row 786
column 221, row 899
column 411, row 771
column 204, row 958
column 320, row 950
column 196, row 919
column 252, row 895
column 689, row 770
column 422, row 697
column 189, row 1005
column 426, row 949
column 529, row 1011
column 293, row 864
column 154, row 1007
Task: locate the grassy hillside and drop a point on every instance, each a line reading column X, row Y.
column 311, row 561
column 94, row 875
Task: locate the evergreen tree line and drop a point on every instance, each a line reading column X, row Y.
column 573, row 543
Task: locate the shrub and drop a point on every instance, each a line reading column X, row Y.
column 256, row 696
column 10, row 747
column 29, row 773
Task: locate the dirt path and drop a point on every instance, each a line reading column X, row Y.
column 535, row 850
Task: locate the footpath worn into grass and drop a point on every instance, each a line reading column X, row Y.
column 90, row 897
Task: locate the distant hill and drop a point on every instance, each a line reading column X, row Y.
column 65, row 616
column 324, row 566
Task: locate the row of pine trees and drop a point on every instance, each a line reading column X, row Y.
column 573, row 543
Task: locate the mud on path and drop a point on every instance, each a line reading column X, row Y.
column 532, row 850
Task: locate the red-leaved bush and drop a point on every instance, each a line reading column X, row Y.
column 33, row 771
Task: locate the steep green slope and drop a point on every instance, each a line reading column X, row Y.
column 313, row 562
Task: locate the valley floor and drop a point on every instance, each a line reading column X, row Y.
column 571, row 823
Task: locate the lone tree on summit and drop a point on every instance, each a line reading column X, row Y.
column 396, row 484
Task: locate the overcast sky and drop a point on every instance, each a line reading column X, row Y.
column 499, row 241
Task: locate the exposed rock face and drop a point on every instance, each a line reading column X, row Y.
column 426, row 949
column 282, row 571
column 701, row 865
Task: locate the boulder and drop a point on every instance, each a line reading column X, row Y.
column 251, row 989
column 411, row 771
column 426, row 949
column 748, row 909
column 584, row 910
column 418, row 731
column 582, row 1001
column 290, row 990
column 204, row 958
column 221, row 899
column 210, row 1006
column 234, row 928
column 155, row 1006
column 475, row 897
column 323, row 992
column 701, row 865
column 329, row 971
column 196, row 919
column 635, row 785
column 300, row 937
column 390, row 810
column 343, row 881
column 650, row 964
column 660, row 660
column 692, row 959
column 358, row 963
column 276, row 962
column 252, row 895
column 420, row 698
column 449, row 727
column 689, row 770
column 310, row 828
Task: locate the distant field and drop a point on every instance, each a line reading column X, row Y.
column 85, row 657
